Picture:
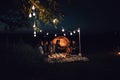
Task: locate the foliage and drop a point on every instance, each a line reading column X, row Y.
column 13, row 20
column 46, row 10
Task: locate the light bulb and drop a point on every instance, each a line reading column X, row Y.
column 55, row 21
column 63, row 29
column 74, row 31
column 33, row 7
column 34, row 25
column 47, row 33
column 64, row 34
column 55, row 34
column 40, row 30
column 34, row 32
column 34, row 35
column 30, row 15
column 78, row 30
column 34, row 14
column 71, row 33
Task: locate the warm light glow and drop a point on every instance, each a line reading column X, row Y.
column 63, row 41
column 55, row 21
column 30, row 15
column 33, row 7
column 43, row 10
column 118, row 53
column 57, row 56
column 34, row 14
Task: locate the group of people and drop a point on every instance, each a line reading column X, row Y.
column 48, row 48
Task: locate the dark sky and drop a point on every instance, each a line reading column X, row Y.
column 92, row 16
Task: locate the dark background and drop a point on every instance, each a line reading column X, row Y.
column 91, row 16
column 100, row 40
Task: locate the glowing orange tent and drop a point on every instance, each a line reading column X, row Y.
column 64, row 41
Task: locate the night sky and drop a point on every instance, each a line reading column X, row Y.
column 90, row 15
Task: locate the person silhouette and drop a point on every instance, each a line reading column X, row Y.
column 57, row 47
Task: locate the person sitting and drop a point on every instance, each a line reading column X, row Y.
column 51, row 48
column 74, row 47
column 40, row 48
column 57, row 46
column 46, row 48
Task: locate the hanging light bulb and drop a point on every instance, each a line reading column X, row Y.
column 74, row 31
column 34, row 35
column 63, row 29
column 47, row 33
column 55, row 21
column 30, row 15
column 40, row 30
column 71, row 33
column 78, row 30
column 55, row 35
column 64, row 34
column 33, row 7
column 34, row 25
column 34, row 32
column 34, row 14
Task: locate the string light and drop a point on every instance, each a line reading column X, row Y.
column 30, row 15
column 40, row 30
column 55, row 21
column 78, row 30
column 63, row 29
column 55, row 35
column 71, row 33
column 47, row 33
column 34, row 32
column 64, row 34
column 33, row 7
column 34, row 25
column 34, row 14
column 74, row 31
column 48, row 16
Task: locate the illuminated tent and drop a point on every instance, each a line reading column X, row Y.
column 64, row 41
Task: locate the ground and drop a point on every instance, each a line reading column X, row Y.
column 62, row 58
column 100, row 67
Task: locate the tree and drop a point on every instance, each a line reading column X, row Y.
column 47, row 11
column 13, row 20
